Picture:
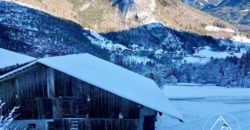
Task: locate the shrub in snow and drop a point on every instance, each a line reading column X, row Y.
column 5, row 121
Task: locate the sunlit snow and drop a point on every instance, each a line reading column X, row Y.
column 197, row 103
column 218, row 29
column 205, row 54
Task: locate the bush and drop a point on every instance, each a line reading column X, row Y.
column 5, row 121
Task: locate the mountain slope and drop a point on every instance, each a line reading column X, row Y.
column 236, row 12
column 116, row 15
column 202, row 3
column 38, row 34
column 154, row 50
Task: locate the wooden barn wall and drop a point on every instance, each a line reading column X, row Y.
column 73, row 98
column 31, row 90
column 33, row 83
column 81, row 99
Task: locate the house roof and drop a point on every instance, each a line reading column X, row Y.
column 10, row 58
column 110, row 77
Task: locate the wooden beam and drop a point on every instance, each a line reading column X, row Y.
column 51, row 91
column 17, row 87
column 51, row 83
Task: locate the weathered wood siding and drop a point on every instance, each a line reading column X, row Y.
column 70, row 98
column 32, row 84
column 85, row 100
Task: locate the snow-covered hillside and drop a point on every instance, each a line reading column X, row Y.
column 39, row 34
column 104, row 43
column 204, row 55
column 153, row 50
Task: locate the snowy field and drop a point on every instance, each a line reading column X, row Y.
column 204, row 55
column 197, row 103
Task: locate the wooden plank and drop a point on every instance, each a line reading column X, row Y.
column 51, row 92
column 17, row 86
column 50, row 83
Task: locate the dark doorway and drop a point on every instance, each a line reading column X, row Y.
column 149, row 122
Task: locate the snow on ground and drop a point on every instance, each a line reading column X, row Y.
column 185, row 91
column 240, row 39
column 218, row 29
column 159, row 52
column 192, row 59
column 204, row 55
column 197, row 112
column 10, row 58
column 199, row 102
column 99, row 40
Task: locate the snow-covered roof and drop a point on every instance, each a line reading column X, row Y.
column 112, row 78
column 10, row 58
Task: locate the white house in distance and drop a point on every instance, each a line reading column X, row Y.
column 83, row 92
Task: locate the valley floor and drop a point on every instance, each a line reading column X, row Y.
column 199, row 103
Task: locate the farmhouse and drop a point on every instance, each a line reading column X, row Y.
column 82, row 92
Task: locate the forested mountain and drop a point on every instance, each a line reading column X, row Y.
column 153, row 49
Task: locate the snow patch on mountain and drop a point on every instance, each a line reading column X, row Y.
column 241, row 39
column 143, row 11
column 218, row 29
column 102, row 42
column 85, row 6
